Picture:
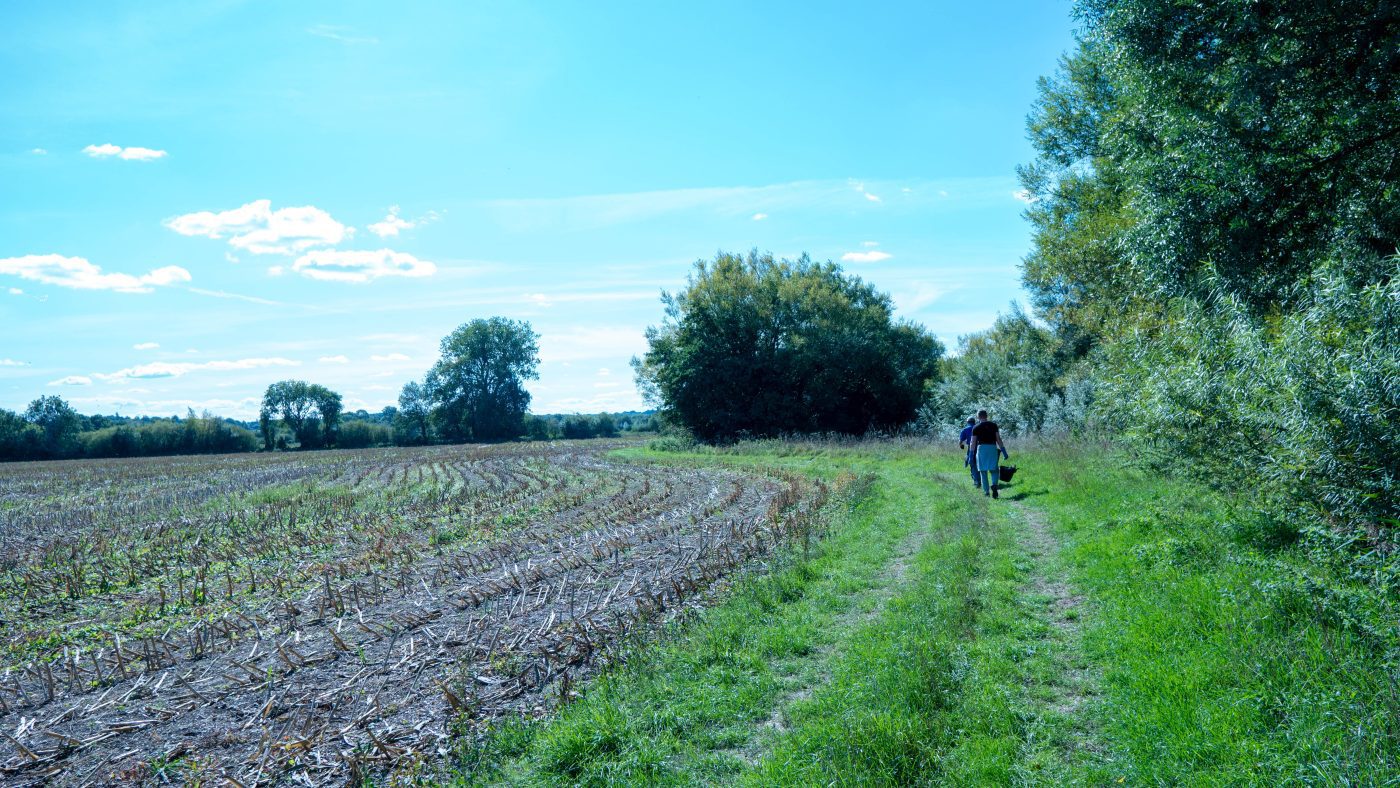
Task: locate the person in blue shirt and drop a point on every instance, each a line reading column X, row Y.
column 965, row 443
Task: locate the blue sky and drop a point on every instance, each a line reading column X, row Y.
column 198, row 199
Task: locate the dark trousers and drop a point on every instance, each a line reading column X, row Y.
column 972, row 466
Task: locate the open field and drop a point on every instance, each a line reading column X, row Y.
column 314, row 617
column 1097, row 625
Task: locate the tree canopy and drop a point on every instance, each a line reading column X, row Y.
column 1215, row 224
column 758, row 346
column 478, row 385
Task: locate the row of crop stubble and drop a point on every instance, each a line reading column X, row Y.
column 268, row 616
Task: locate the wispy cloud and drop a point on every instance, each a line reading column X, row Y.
column 758, row 217
column 38, row 151
column 79, row 274
column 9, row 362
column 72, row 380
column 860, row 187
column 16, row 291
column 257, row 228
column 340, row 33
column 584, row 343
column 333, row 360
column 1024, row 196
column 393, row 223
column 873, row 256
column 390, row 357
column 108, row 151
column 917, row 296
column 237, row 297
column 360, row 266
column 598, row 211
column 145, row 346
column 165, row 369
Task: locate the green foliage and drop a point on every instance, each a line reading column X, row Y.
column 1028, row 378
column 1215, row 223
column 359, row 434
column 19, row 438
column 1305, row 404
column 207, row 434
column 478, row 386
column 413, row 419
column 311, row 411
column 58, row 424
column 757, row 346
column 1259, row 140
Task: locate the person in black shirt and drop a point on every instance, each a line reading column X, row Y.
column 987, row 448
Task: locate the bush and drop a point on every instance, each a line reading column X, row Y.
column 761, row 347
column 363, row 434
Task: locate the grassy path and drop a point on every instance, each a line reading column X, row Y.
column 1093, row 627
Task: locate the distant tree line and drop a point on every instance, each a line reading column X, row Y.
column 50, row 429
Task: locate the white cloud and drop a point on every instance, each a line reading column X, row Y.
column 39, row 152
column 1024, row 196
column 872, row 197
column 9, row 362
column 333, row 360
column 16, row 291
column 360, row 265
column 870, row 244
column 145, row 346
column 758, row 217
column 165, row 369
column 72, row 380
column 866, row 257
column 78, row 273
column 258, row 229
column 539, row 299
column 276, row 270
column 390, row 357
column 392, row 224
column 340, row 33
column 108, row 150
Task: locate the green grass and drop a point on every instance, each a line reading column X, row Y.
column 914, row 648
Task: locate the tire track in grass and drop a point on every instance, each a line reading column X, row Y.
column 865, row 608
column 1063, row 729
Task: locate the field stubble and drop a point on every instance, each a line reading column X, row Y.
column 318, row 617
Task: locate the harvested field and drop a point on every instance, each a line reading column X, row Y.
column 308, row 618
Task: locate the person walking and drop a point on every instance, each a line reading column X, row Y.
column 987, row 449
column 965, row 443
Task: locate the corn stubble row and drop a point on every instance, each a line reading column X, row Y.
column 315, row 618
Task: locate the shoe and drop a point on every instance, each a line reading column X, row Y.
column 994, row 493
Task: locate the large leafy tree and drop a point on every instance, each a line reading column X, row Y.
column 1215, row 204
column 311, row 411
column 58, row 423
column 413, row 418
column 1216, row 148
column 478, row 386
column 758, row 346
